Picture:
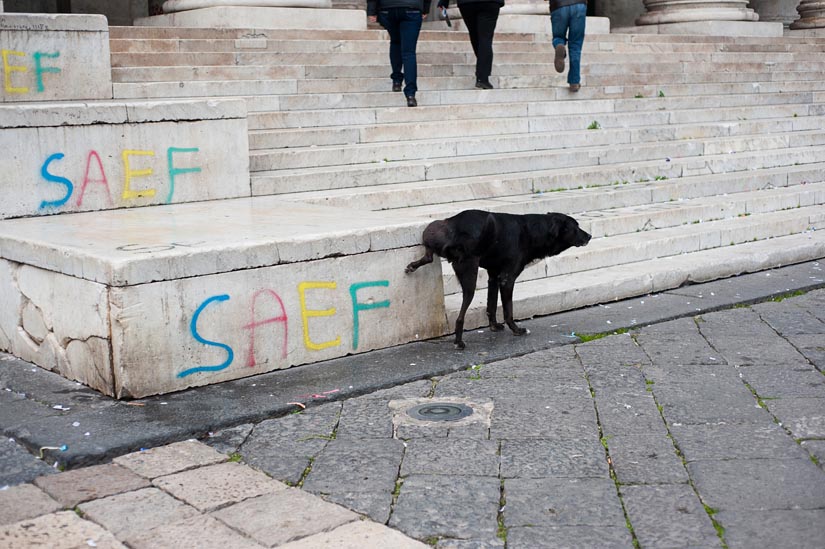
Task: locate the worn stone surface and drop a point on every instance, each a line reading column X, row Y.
column 451, row 457
column 803, row 417
column 73, row 487
column 24, row 501
column 804, row 529
column 131, row 514
column 645, row 459
column 202, row 531
column 64, row 530
column 559, row 457
column 216, row 486
column 793, row 380
column 174, row 458
column 744, row 441
column 668, row 516
column 608, row 537
column 357, row 535
column 229, row 440
column 455, row 507
column 562, row 502
column 621, row 414
column 18, row 466
column 759, row 484
column 275, row 519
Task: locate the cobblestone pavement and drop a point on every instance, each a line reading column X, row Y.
column 704, row 431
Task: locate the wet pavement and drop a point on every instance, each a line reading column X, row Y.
column 691, row 418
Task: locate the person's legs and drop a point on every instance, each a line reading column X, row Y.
column 575, row 41
column 410, row 27
column 559, row 20
column 487, row 19
column 469, row 14
column 389, row 20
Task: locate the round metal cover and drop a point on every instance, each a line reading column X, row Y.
column 440, row 411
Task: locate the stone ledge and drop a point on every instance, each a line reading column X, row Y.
column 53, row 22
column 710, row 28
column 259, row 18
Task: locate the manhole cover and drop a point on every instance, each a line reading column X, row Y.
column 441, row 411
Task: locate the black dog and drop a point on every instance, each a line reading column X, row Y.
column 501, row 243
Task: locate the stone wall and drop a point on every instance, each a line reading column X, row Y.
column 622, row 13
column 118, row 12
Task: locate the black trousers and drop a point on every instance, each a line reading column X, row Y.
column 481, row 19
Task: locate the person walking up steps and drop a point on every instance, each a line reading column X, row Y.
column 481, row 17
column 568, row 19
column 402, row 19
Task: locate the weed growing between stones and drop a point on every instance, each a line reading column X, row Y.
column 594, row 125
column 235, row 457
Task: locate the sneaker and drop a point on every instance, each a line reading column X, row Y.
column 411, row 102
column 396, row 86
column 575, row 87
column 483, row 85
column 561, row 55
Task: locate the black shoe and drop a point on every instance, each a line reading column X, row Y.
column 411, row 102
column 483, row 85
column 558, row 59
column 396, row 86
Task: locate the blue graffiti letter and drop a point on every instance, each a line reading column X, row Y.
column 40, row 69
column 356, row 307
column 173, row 171
column 193, row 327
column 44, row 171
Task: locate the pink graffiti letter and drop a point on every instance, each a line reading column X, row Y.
column 86, row 179
column 282, row 318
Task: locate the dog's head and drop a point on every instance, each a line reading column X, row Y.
column 569, row 231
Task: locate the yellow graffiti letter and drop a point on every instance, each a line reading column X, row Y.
column 129, row 173
column 306, row 314
column 8, row 69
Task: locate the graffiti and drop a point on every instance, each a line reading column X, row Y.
column 11, row 57
column 94, row 175
column 280, row 320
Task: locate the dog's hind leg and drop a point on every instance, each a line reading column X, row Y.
column 467, row 273
column 506, row 286
column 428, row 258
column 492, row 302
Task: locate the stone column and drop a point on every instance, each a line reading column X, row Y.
column 782, row 11
column 691, row 11
column 812, row 15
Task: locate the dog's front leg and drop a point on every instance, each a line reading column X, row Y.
column 506, row 287
column 428, row 258
column 467, row 273
column 492, row 302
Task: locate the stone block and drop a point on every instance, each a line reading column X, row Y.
column 275, row 519
column 259, row 18
column 79, row 485
column 201, row 531
column 169, row 459
column 24, row 502
column 217, row 486
column 63, row 530
column 129, row 515
column 130, row 155
column 356, row 535
column 49, row 57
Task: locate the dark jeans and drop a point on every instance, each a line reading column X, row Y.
column 568, row 28
column 403, row 26
column 481, row 19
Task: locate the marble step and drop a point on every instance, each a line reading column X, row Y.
column 576, row 191
column 615, row 229
column 647, row 126
column 600, row 145
column 580, row 289
column 561, row 171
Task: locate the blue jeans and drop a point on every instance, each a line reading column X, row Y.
column 403, row 26
column 568, row 28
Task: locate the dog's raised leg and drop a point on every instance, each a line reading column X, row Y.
column 506, row 288
column 492, row 303
column 467, row 272
column 428, row 258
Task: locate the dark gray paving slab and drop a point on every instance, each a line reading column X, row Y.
column 17, row 466
column 457, row 457
column 646, row 459
column 545, row 418
column 353, row 465
column 470, row 544
column 750, row 350
column 365, row 418
column 689, row 347
column 759, row 484
column 621, row 414
column 734, row 323
column 811, row 347
column 563, row 457
column 567, row 386
column 814, row 300
column 229, row 440
column 743, row 441
column 816, row 449
column 374, row 504
column 454, row 507
column 669, row 516
column 674, row 374
column 803, row 417
column 569, row 537
column 562, row 502
column 617, row 379
column 799, row 529
column 789, row 317
column 283, row 448
column 793, row 380
column 698, row 403
column 614, row 350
